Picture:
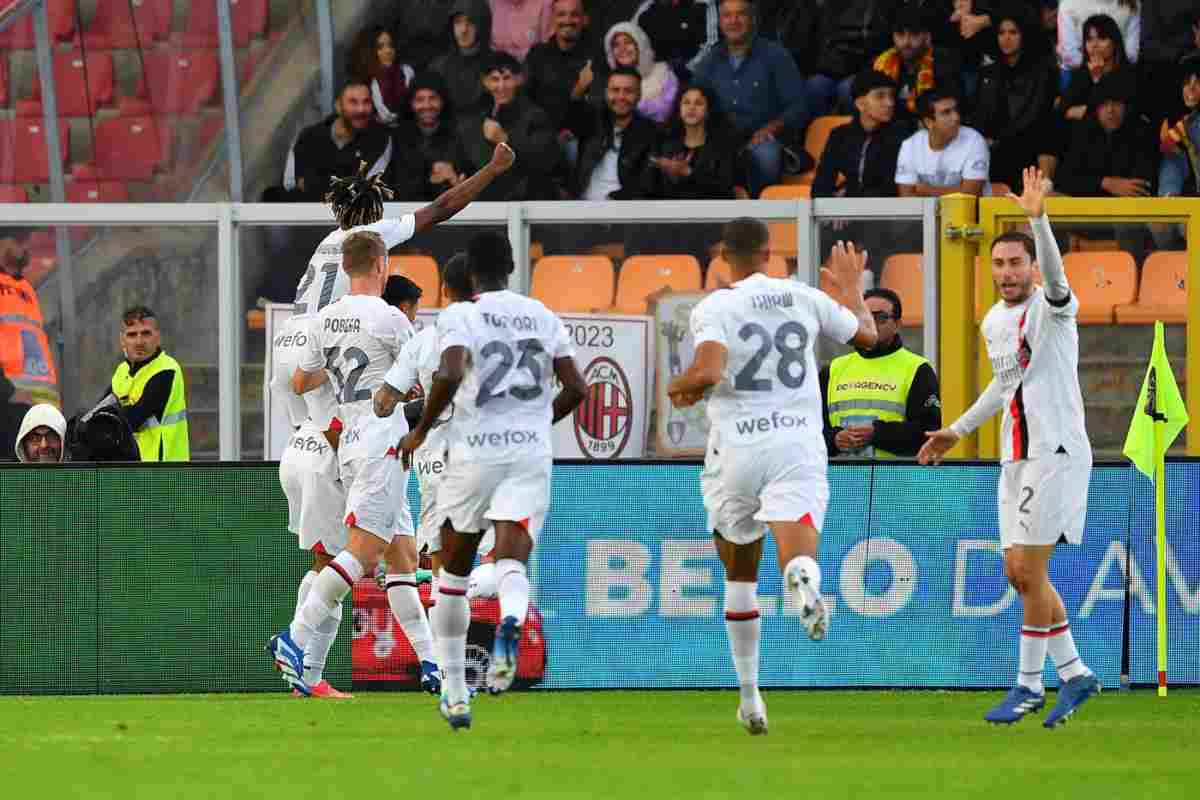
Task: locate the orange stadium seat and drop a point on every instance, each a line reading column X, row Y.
column 1163, row 293
column 76, row 85
column 718, row 268
column 903, row 273
column 423, row 271
column 574, row 283
column 1101, row 281
column 112, row 27
column 816, row 138
column 787, row 191
column 641, row 276
column 23, row 150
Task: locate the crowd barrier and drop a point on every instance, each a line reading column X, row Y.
column 170, row 578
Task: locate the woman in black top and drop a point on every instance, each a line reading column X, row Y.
column 696, row 159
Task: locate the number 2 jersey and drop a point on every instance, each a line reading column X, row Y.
column 324, row 282
column 503, row 410
column 768, row 394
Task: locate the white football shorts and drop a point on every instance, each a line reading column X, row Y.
column 376, row 496
column 473, row 495
column 746, row 489
column 1043, row 500
column 308, row 472
column 430, row 468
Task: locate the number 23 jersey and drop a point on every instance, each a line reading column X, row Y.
column 503, row 410
column 768, row 392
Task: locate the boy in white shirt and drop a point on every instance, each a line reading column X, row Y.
column 945, row 156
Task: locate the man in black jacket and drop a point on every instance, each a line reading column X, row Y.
column 871, row 385
column 560, row 76
column 614, row 157
column 853, row 32
column 425, row 149
column 859, row 159
column 507, row 116
column 470, row 33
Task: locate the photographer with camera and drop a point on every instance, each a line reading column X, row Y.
column 148, row 385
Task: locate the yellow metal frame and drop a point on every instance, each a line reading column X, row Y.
column 958, row 259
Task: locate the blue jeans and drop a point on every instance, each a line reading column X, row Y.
column 764, row 165
column 825, row 95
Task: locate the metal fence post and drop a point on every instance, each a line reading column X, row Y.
column 233, row 120
column 229, row 338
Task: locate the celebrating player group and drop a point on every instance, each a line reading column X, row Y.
column 486, row 376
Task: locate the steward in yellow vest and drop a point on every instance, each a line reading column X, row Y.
column 149, row 386
column 879, row 403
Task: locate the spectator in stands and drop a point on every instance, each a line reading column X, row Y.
column 375, row 63
column 759, row 89
column 420, row 30
column 973, row 51
column 41, row 437
column 1103, row 54
column 1072, row 14
column 696, row 159
column 913, row 63
column 859, row 160
column 1112, row 153
column 24, row 349
column 1014, row 107
column 945, row 156
column 1170, row 31
column 506, row 115
column 628, row 46
column 427, row 142
column 336, row 145
column 616, row 154
column 561, row 77
column 880, row 402
column 518, row 25
column 148, row 384
column 13, row 407
column 470, row 32
column 853, row 32
column 1179, row 172
column 682, row 32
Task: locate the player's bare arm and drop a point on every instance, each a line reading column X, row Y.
column 1049, row 259
column 843, row 278
column 456, row 198
column 705, row 371
column 387, row 397
column 574, row 387
column 445, row 383
column 305, row 381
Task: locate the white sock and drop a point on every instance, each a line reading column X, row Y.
column 452, row 620
column 742, row 625
column 328, row 589
column 1061, row 646
column 1033, row 657
column 512, row 581
column 806, row 567
column 409, row 612
column 303, row 590
column 319, row 644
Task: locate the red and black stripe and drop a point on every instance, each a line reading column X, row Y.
column 1020, row 429
column 452, row 591
column 1036, row 633
column 741, row 616
column 397, row 584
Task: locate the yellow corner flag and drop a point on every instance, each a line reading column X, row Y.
column 1157, row 419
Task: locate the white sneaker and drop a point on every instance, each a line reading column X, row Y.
column 814, row 616
column 754, row 720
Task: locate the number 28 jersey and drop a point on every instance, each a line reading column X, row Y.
column 503, row 410
column 768, row 393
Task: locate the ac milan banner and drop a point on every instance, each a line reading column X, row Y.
column 681, row 432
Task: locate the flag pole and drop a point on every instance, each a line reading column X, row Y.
column 1160, row 525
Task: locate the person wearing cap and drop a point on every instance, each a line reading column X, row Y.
column 148, row 384
column 427, row 143
column 40, row 440
column 1112, row 152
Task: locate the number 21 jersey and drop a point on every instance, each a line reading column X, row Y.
column 768, row 393
column 503, row 410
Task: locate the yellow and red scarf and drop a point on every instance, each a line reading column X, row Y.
column 890, row 63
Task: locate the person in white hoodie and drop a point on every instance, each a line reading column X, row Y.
column 40, row 440
column 627, row 45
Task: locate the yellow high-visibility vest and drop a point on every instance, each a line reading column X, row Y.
column 163, row 439
column 863, row 390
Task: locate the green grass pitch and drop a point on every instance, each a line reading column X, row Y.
column 612, row 745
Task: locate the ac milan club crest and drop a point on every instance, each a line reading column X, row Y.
column 604, row 420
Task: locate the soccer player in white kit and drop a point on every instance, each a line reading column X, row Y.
column 1046, row 459
column 357, row 203
column 499, row 358
column 765, row 463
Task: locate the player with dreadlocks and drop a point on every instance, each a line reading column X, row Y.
column 309, row 466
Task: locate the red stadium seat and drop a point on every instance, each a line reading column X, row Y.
column 112, row 27
column 179, row 82
column 13, row 194
column 62, row 26
column 130, row 148
column 3, row 80
column 249, row 21
column 23, row 157
column 75, row 84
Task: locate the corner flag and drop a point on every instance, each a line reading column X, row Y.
column 1157, row 419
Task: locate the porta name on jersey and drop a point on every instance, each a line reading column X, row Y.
column 343, row 325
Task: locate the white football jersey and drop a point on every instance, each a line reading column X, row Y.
column 416, row 366
column 325, row 281
column 504, row 406
column 356, row 340
column 769, row 392
column 287, row 350
column 1034, row 351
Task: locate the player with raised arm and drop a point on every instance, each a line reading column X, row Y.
column 1033, row 343
column 765, row 464
column 499, row 358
